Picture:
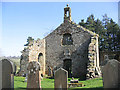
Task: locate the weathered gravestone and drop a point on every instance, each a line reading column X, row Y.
column 7, row 74
column 61, row 76
column 49, row 71
column 34, row 75
column 111, row 74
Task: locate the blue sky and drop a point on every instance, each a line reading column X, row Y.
column 37, row 19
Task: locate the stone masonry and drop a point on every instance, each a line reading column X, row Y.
column 69, row 46
column 33, row 52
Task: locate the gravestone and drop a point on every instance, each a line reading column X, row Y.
column 111, row 74
column 49, row 71
column 34, row 75
column 61, row 76
column 7, row 74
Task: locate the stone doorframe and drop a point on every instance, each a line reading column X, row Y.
column 67, row 65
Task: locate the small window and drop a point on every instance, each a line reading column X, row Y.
column 67, row 39
column 67, row 13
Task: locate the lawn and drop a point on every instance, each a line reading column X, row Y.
column 49, row 83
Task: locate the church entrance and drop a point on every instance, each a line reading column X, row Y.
column 67, row 65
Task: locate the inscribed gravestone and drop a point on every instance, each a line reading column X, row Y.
column 111, row 74
column 7, row 74
column 34, row 75
column 61, row 76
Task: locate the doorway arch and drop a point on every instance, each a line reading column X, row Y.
column 41, row 61
column 67, row 65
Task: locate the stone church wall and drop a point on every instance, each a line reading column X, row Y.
column 69, row 46
column 78, row 51
column 31, row 53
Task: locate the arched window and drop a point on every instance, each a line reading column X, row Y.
column 40, row 57
column 41, row 61
column 67, row 39
column 67, row 13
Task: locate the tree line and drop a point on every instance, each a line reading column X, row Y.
column 107, row 29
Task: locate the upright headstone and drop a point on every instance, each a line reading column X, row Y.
column 61, row 76
column 49, row 71
column 7, row 74
column 34, row 75
column 111, row 74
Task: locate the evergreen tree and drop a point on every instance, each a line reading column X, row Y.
column 108, row 30
column 90, row 23
column 99, row 29
column 113, row 32
column 105, row 22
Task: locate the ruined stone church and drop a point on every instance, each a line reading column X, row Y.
column 69, row 46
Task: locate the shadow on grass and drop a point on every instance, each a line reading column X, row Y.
column 20, row 88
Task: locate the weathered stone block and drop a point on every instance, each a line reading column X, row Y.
column 111, row 74
column 34, row 75
column 7, row 74
column 61, row 76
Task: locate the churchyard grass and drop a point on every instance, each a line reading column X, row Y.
column 49, row 83
column 19, row 82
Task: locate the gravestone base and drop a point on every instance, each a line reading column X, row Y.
column 73, row 81
column 75, row 85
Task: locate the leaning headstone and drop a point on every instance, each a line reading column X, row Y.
column 34, row 75
column 61, row 76
column 7, row 74
column 111, row 74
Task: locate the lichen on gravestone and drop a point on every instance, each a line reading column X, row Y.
column 34, row 75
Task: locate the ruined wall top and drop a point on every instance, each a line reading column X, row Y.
column 67, row 14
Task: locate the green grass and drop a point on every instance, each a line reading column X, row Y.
column 19, row 82
column 49, row 83
column 92, row 84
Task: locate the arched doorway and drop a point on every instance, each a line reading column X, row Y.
column 41, row 61
column 67, row 65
